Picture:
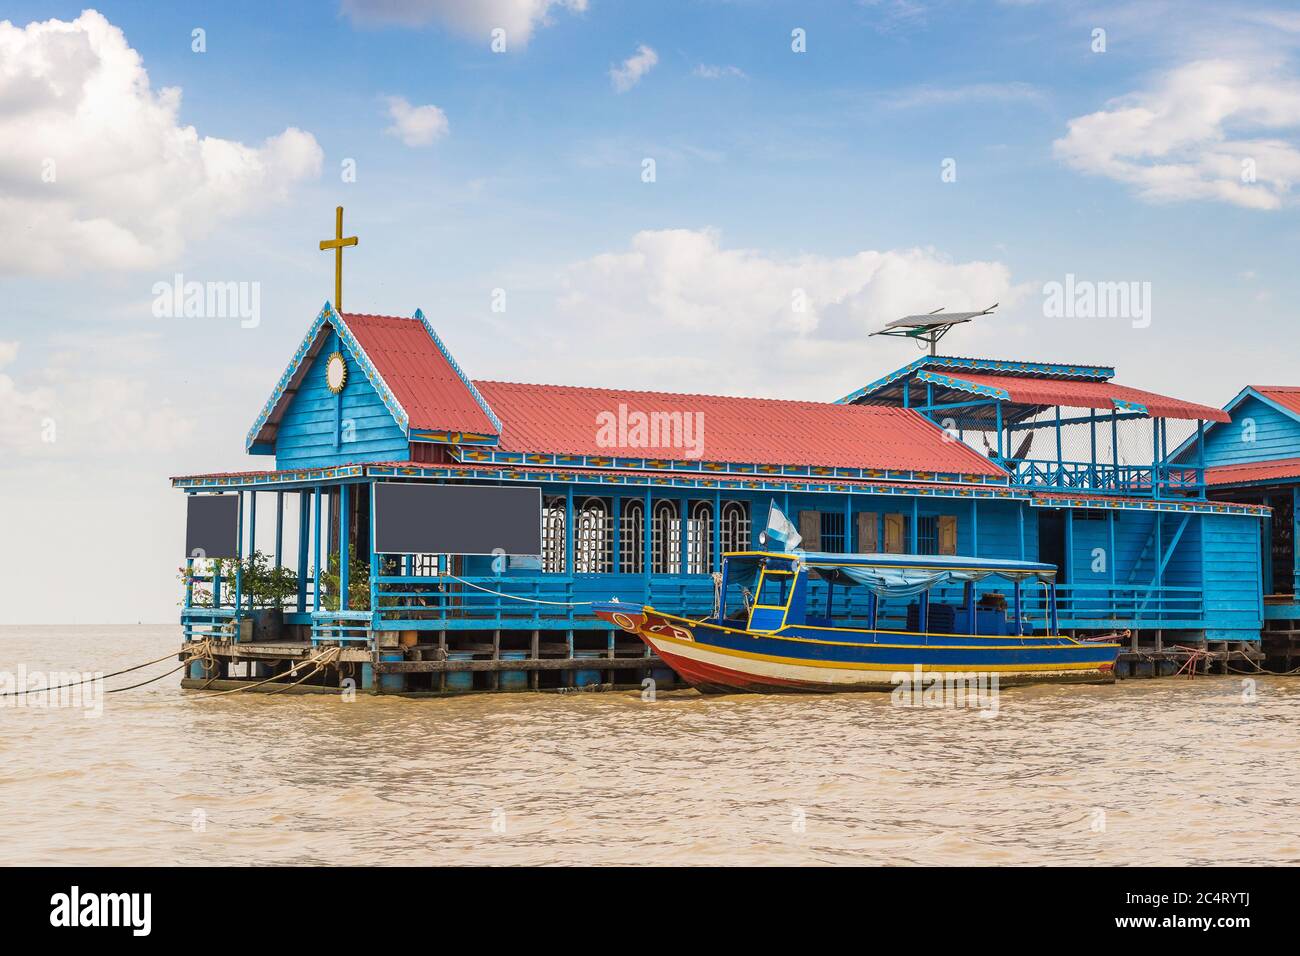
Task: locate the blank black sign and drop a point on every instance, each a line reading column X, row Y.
column 211, row 526
column 457, row 519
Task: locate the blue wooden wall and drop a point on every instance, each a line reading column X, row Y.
column 320, row 428
column 1274, row 434
column 1234, row 603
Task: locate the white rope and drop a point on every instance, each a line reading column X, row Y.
column 516, row 597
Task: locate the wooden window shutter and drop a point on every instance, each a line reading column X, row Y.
column 810, row 529
column 868, row 533
column 894, row 534
column 947, row 534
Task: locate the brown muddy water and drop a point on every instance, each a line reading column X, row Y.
column 1172, row 771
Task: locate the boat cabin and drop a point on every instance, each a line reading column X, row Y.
column 903, row 593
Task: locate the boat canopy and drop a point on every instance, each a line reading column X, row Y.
column 893, row 575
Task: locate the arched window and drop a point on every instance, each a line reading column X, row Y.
column 631, row 538
column 699, row 538
column 553, row 536
column 734, row 526
column 593, row 548
column 666, row 539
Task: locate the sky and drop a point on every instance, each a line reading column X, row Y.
column 713, row 196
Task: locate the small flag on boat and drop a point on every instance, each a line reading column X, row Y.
column 780, row 532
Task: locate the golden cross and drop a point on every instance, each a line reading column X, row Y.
column 337, row 244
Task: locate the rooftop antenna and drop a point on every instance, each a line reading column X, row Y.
column 930, row 327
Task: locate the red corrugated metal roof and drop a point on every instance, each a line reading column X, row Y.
column 1288, row 396
column 1278, row 470
column 564, row 419
column 1090, row 394
column 419, row 374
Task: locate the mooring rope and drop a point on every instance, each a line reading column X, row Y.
column 516, row 597
column 202, row 649
column 332, row 653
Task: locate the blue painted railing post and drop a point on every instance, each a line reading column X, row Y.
column 239, row 566
column 1200, row 462
column 570, row 532
column 1155, row 457
column 999, row 420
column 374, row 565
column 1295, row 537
column 684, row 544
column 717, row 531
column 279, row 528
column 1114, row 446
column 1015, row 592
column 647, row 542
column 315, row 562
column 252, row 523
column 1067, row 573
column 1060, row 467
column 849, row 537
column 616, row 532
column 1092, row 440
column 304, row 534
column 1020, row 528
column 344, row 550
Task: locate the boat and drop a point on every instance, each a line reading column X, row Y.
column 816, row 622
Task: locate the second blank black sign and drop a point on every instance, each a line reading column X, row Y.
column 457, row 519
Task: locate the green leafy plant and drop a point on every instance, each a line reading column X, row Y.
column 358, row 583
column 262, row 585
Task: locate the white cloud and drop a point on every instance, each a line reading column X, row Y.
column 1201, row 132
column 69, row 410
column 707, row 72
column 475, row 18
column 678, row 310
column 634, row 67
column 416, row 125
column 96, row 171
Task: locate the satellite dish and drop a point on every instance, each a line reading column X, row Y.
column 930, row 327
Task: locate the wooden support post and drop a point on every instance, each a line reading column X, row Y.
column 1092, row 440
column 716, row 532
column 315, row 563
column 616, row 533
column 304, row 543
column 344, row 533
column 252, row 523
column 647, row 543
column 1020, row 527
column 913, row 535
column 683, row 529
column 495, row 679
column 974, row 529
column 375, row 565
column 534, row 653
column 1114, row 445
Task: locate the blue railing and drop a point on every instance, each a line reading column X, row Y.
column 411, row 602
column 1106, row 478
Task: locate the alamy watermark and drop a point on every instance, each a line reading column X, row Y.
column 1085, row 299
column 47, row 690
column 978, row 690
column 622, row 429
column 178, row 299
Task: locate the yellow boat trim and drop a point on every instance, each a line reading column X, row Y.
column 776, row 636
column 895, row 668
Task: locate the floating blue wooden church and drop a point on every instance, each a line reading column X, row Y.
column 1167, row 519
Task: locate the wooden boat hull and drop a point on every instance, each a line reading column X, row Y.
column 717, row 659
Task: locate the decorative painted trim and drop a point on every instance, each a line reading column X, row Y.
column 453, row 438
column 253, row 480
column 949, row 381
column 495, row 456
column 1140, row 504
column 327, row 315
column 446, row 354
column 1100, row 372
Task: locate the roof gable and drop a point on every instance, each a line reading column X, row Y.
column 1279, row 407
column 416, row 378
